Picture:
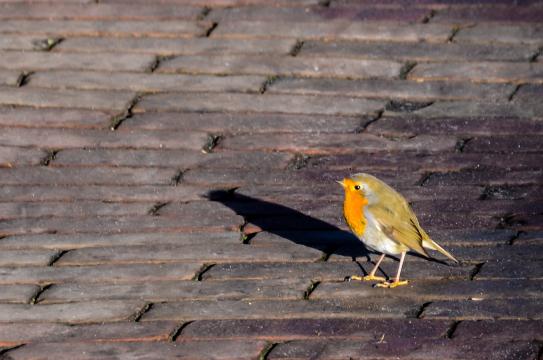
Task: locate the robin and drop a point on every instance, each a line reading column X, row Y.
column 383, row 220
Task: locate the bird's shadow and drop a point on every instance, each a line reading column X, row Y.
column 292, row 224
column 297, row 227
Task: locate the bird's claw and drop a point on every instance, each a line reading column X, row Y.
column 367, row 278
column 391, row 284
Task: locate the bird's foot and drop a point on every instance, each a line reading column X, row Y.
column 392, row 284
column 367, row 278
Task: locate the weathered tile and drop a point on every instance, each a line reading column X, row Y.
column 14, row 210
column 95, row 11
column 224, row 102
column 491, row 176
column 500, row 329
column 398, row 348
column 168, row 47
column 268, row 309
column 334, row 29
column 43, row 117
column 473, row 109
column 120, row 224
column 488, row 309
column 419, row 52
column 26, row 42
column 76, row 241
column 232, row 3
column 240, row 349
column 82, row 312
column 528, row 95
column 527, row 143
column 41, row 98
column 435, row 290
column 289, row 329
column 80, row 176
column 532, row 237
column 15, row 156
column 396, row 89
column 439, row 162
column 10, row 77
column 21, row 294
column 481, row 126
column 71, row 28
column 501, row 33
column 511, row 192
column 101, row 193
column 335, row 143
column 21, row 333
column 492, row 207
column 479, row 71
column 175, row 253
column 26, row 257
column 78, row 138
column 183, row 159
column 50, row 60
column 511, row 269
column 282, row 66
column 105, row 274
column 223, row 123
column 280, row 270
column 319, row 13
column 161, row 291
column 507, row 14
column 144, row 82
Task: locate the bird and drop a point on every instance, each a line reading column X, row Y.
column 383, row 220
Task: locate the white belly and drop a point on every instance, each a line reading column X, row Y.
column 376, row 239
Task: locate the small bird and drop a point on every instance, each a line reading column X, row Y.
column 383, row 220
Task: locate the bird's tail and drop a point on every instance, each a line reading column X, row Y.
column 431, row 244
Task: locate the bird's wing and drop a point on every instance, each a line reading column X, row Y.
column 400, row 224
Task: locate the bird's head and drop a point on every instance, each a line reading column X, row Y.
column 360, row 185
column 351, row 186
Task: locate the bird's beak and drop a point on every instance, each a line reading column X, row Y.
column 341, row 183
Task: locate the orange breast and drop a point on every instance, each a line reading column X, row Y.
column 353, row 210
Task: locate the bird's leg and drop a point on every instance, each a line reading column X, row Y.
column 371, row 276
column 396, row 282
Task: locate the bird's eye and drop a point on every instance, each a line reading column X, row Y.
column 357, row 187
